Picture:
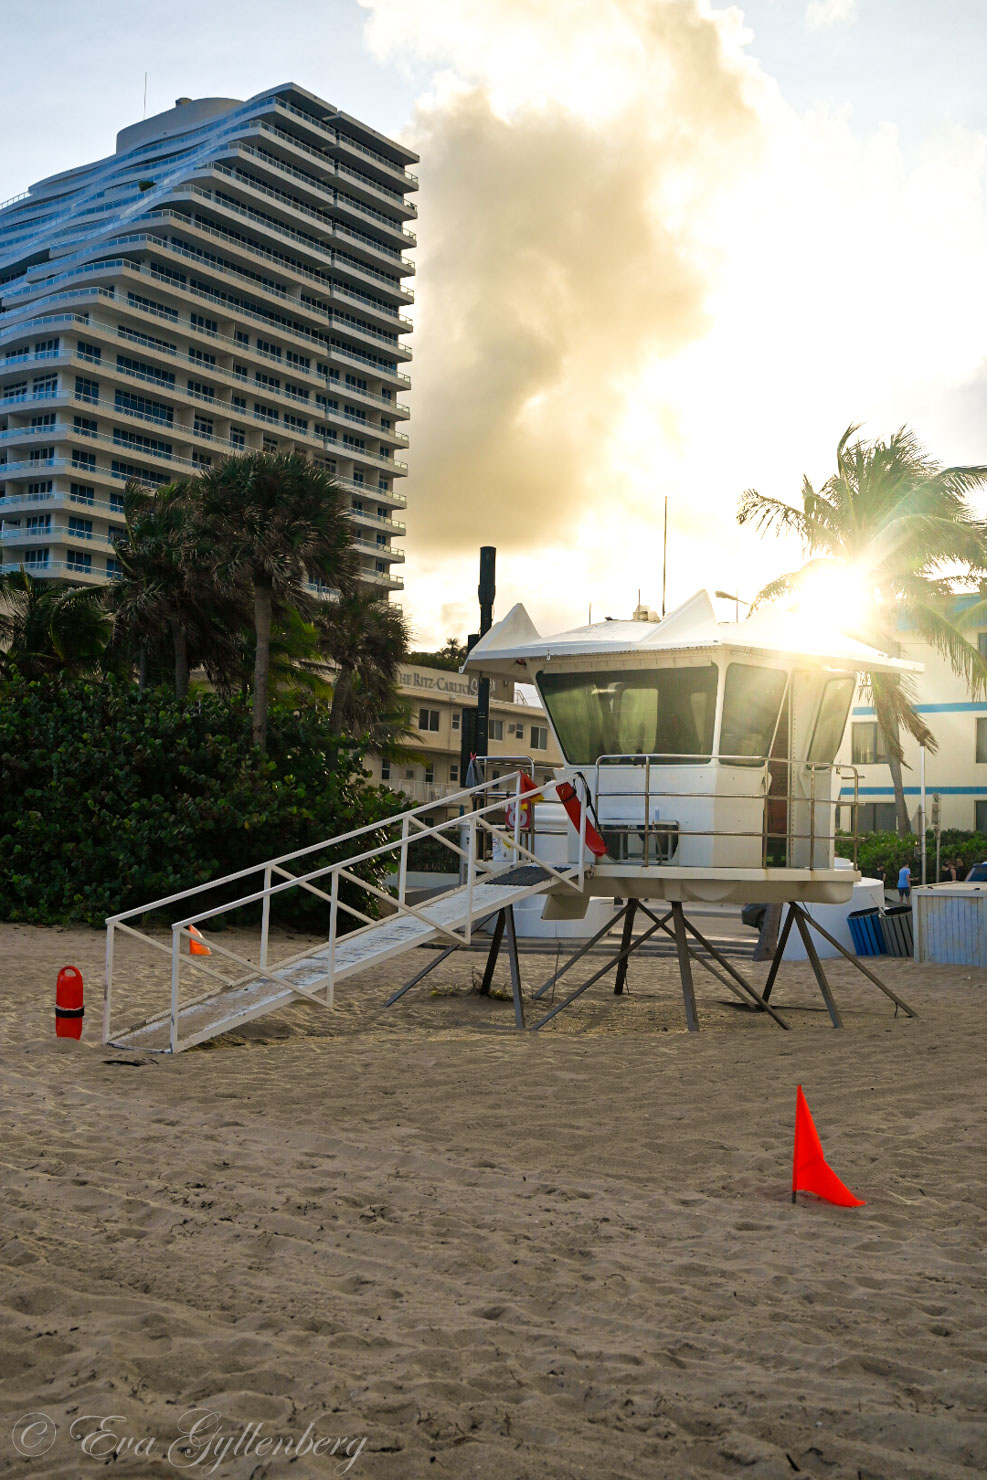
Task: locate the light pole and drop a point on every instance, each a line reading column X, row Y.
column 738, row 601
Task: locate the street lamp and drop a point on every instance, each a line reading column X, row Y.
column 737, row 601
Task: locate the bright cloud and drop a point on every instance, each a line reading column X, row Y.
column 820, row 15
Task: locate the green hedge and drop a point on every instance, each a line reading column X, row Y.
column 110, row 798
column 880, row 854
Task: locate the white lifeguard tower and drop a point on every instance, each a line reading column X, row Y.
column 699, row 767
column 705, row 752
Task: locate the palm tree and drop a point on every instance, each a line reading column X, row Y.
column 269, row 523
column 48, row 627
column 166, row 599
column 903, row 522
column 366, row 639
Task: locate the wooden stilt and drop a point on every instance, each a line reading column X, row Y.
column 515, row 964
column 685, row 967
column 625, row 940
column 492, row 955
column 786, row 931
column 816, row 964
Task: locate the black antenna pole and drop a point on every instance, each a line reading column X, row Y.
column 486, row 591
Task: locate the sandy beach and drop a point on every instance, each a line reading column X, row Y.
column 447, row 1250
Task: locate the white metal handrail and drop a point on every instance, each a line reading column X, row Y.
column 413, row 827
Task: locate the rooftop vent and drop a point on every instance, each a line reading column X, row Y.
column 180, row 101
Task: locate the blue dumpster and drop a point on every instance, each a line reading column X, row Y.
column 866, row 932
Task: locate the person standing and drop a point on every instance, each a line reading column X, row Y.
column 904, row 883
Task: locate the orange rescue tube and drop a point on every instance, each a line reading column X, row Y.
column 566, row 793
column 69, row 1009
column 196, row 945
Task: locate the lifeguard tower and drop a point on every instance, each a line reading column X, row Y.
column 699, row 767
column 706, row 754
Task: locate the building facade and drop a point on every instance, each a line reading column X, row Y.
column 232, row 278
column 518, row 731
column 956, row 773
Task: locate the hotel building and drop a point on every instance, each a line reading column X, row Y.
column 232, row 278
column 956, row 772
column 437, row 698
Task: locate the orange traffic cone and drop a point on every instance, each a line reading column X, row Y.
column 196, row 945
column 810, row 1173
column 69, row 1010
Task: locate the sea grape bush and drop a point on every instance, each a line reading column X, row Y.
column 881, row 854
column 110, row 798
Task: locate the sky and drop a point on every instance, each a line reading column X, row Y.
column 668, row 249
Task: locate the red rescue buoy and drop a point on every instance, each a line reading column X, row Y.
column 566, row 793
column 69, row 1010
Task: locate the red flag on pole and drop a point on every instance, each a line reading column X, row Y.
column 810, row 1173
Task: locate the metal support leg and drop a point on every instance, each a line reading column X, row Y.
column 515, row 965
column 816, row 964
column 864, row 970
column 625, row 940
column 578, row 955
column 420, row 975
column 596, row 975
column 492, row 955
column 759, row 1001
column 685, row 967
column 786, row 931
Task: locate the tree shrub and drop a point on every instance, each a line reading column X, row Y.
column 110, row 798
column 881, row 854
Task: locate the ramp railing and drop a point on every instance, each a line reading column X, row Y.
column 461, row 834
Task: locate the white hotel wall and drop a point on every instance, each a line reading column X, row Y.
column 953, row 772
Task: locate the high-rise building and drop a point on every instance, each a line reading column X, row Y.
column 232, row 277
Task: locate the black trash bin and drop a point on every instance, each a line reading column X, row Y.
column 898, row 930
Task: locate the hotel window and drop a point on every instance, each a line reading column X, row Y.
column 116, row 499
column 383, row 540
column 457, row 719
column 41, row 454
column 980, row 815
column 982, row 741
column 430, row 773
column 203, row 426
column 454, row 772
column 241, row 337
column 84, row 493
column 36, row 557
column 302, row 361
column 88, row 390
column 539, row 737
column 80, row 529
column 46, row 347
column 867, row 747
column 385, row 770
column 238, row 437
column 113, row 567
column 85, row 460
column 45, row 385
column 37, row 524
column 40, row 422
column 267, row 348
column 200, row 356
column 270, row 444
column 40, row 489
column 80, row 560
column 383, row 486
column 298, row 391
column 239, row 403
column 876, row 817
column 296, row 423
column 151, row 305
column 380, row 567
column 496, row 730
column 428, row 719
column 199, row 388
column 15, row 392
column 90, row 352
column 201, row 459
column 207, row 326
column 85, row 426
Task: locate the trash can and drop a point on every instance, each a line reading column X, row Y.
column 866, row 932
column 898, row 936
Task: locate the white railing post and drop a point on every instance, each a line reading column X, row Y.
column 265, row 916
column 583, row 814
column 403, row 862
column 176, row 967
column 517, row 814
column 470, row 876
column 108, row 983
column 333, row 916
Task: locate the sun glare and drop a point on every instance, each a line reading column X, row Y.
column 834, row 598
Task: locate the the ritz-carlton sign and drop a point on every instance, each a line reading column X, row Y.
column 439, row 683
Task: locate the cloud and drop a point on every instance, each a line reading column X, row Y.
column 820, row 15
column 561, row 150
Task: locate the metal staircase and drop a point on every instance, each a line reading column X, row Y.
column 261, row 986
